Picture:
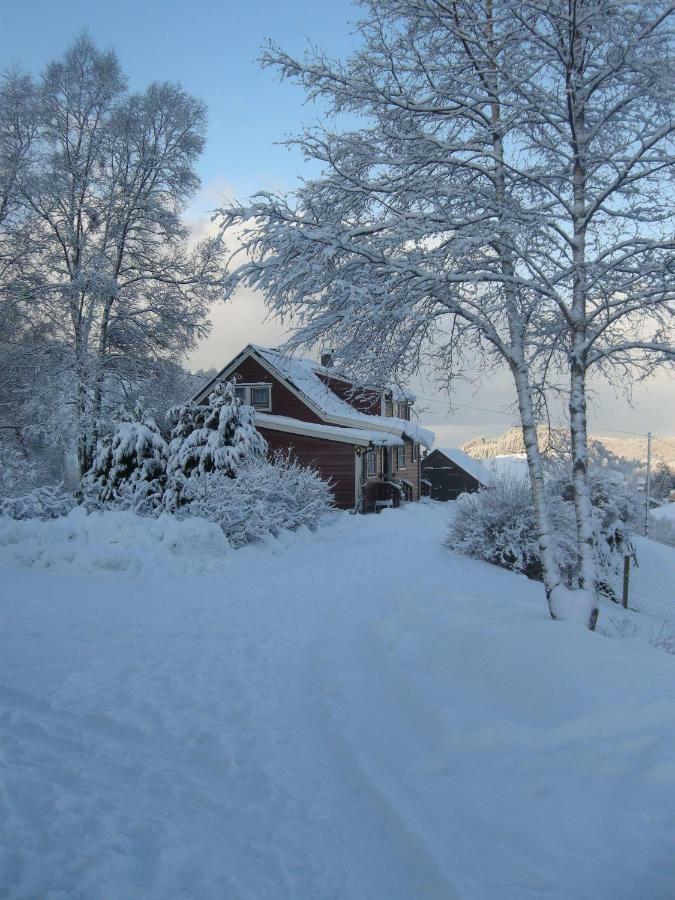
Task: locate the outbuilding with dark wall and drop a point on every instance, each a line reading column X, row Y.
column 448, row 472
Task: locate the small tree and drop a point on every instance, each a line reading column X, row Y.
column 215, row 437
column 663, row 481
column 129, row 467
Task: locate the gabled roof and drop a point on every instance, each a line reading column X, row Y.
column 302, row 376
column 471, row 466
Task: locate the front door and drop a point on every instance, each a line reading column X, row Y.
column 386, row 458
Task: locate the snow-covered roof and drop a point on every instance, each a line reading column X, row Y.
column 303, row 375
column 474, row 467
column 359, row 436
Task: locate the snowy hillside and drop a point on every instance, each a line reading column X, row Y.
column 354, row 714
column 626, row 448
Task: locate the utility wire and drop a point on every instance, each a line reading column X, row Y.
column 501, row 412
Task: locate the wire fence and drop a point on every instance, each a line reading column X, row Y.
column 651, row 582
column 662, row 530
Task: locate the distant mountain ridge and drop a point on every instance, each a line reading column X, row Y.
column 628, row 448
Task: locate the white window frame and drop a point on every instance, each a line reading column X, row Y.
column 400, row 457
column 416, row 452
column 248, row 388
column 372, row 463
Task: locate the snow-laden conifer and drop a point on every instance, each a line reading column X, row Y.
column 215, row 437
column 129, row 467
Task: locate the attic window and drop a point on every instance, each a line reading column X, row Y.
column 259, row 396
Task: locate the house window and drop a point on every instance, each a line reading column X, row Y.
column 372, row 463
column 259, row 396
column 403, row 410
column 400, row 457
column 416, row 451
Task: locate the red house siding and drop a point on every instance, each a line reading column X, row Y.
column 284, row 402
column 335, row 461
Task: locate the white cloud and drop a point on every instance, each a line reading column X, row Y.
column 237, row 322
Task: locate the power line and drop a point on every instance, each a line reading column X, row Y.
column 498, row 412
column 501, row 412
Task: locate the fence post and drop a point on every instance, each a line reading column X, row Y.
column 626, row 576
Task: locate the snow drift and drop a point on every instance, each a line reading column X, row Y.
column 115, row 540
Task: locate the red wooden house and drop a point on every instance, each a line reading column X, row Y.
column 360, row 439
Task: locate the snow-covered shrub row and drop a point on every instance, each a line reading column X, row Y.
column 214, row 467
column 266, row 497
column 45, row 502
column 498, row 525
column 114, row 541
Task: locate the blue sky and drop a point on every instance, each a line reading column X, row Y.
column 211, row 48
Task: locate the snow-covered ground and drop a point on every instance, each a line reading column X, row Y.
column 667, row 511
column 356, row 713
column 662, row 524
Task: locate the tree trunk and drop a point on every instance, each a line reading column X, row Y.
column 549, row 564
column 82, row 418
column 100, row 371
column 583, row 511
column 517, row 362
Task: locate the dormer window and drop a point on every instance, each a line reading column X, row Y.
column 259, row 396
column 403, row 411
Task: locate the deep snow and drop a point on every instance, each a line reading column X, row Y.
column 356, row 713
column 667, row 511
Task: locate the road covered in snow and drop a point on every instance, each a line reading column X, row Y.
column 353, row 714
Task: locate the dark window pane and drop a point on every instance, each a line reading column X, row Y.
column 260, row 397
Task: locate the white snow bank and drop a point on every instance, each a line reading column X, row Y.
column 667, row 511
column 114, row 541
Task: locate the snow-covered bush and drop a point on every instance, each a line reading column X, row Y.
column 129, row 467
column 265, row 498
column 45, row 502
column 210, row 438
column 498, row 525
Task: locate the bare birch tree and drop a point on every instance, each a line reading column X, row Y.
column 599, row 146
column 460, row 212
column 407, row 246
